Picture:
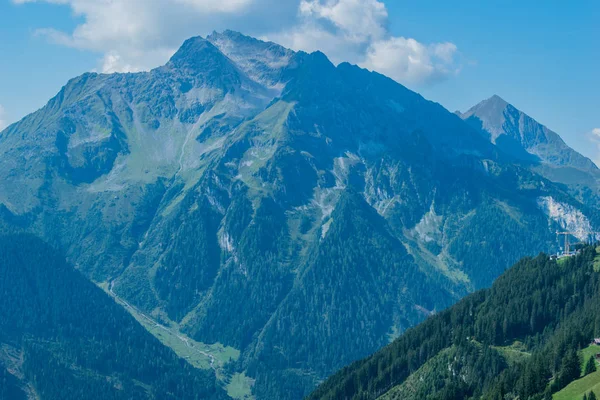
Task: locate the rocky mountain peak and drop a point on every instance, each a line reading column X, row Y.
column 262, row 61
column 199, row 59
column 192, row 51
column 520, row 135
column 491, row 114
column 496, row 100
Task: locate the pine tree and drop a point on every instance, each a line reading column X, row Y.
column 590, row 366
column 570, row 369
column 585, row 397
column 591, row 396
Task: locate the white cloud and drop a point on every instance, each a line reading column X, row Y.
column 112, row 62
column 133, row 35
column 357, row 20
column 356, row 31
column 407, row 60
column 342, row 29
column 3, row 122
column 310, row 36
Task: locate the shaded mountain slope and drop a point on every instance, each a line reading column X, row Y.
column 518, row 339
column 219, row 193
column 61, row 337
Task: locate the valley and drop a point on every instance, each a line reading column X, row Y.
column 61, row 337
column 199, row 355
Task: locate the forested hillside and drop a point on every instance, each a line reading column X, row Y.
column 520, row 339
column 299, row 213
column 61, row 337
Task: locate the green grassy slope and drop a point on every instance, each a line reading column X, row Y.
column 575, row 390
column 518, row 339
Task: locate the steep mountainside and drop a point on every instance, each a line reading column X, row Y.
column 61, row 337
column 521, row 339
column 303, row 213
column 520, row 135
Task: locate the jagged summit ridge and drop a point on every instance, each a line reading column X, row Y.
column 491, row 113
column 262, row 61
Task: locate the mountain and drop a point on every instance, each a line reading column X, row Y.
column 526, row 337
column 299, row 214
column 264, row 62
column 523, row 137
column 61, row 337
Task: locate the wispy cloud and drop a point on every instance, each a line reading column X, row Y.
column 407, row 60
column 135, row 35
column 356, row 31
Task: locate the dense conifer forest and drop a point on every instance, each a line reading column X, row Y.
column 520, row 339
column 61, row 337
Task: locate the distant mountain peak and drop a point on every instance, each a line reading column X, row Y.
column 491, row 114
column 496, row 100
column 519, row 134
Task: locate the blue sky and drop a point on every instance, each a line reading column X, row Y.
column 543, row 57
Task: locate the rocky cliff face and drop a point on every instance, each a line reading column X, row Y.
column 301, row 212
